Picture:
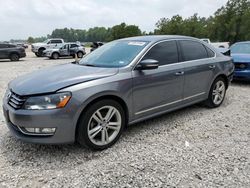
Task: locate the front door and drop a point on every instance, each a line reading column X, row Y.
column 159, row 89
column 64, row 51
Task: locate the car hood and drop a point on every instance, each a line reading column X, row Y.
column 241, row 58
column 54, row 78
column 38, row 44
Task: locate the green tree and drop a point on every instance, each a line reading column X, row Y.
column 173, row 26
column 231, row 22
column 30, row 40
column 123, row 30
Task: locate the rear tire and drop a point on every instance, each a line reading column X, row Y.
column 14, row 57
column 217, row 93
column 101, row 125
column 55, row 55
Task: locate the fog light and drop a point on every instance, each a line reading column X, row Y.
column 48, row 130
column 40, row 130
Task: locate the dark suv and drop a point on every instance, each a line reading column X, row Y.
column 12, row 52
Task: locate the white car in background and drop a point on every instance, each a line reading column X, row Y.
column 217, row 44
column 38, row 48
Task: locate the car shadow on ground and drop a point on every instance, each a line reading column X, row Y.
column 9, row 61
column 18, row 152
column 241, row 83
column 46, row 58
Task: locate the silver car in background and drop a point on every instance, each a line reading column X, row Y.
column 67, row 49
column 119, row 84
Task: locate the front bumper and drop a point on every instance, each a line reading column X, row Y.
column 34, row 50
column 58, row 118
column 47, row 54
column 242, row 74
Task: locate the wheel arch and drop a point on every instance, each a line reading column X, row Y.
column 41, row 48
column 14, row 52
column 99, row 98
column 55, row 53
column 224, row 77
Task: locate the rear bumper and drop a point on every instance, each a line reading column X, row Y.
column 241, row 75
column 23, row 54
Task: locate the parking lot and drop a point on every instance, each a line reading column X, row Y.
column 193, row 147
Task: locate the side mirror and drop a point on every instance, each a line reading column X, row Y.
column 148, row 64
column 224, row 51
column 227, row 53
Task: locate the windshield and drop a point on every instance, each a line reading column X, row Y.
column 46, row 41
column 243, row 48
column 114, row 54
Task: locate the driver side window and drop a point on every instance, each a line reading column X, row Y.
column 164, row 52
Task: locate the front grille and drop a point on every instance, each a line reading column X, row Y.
column 241, row 66
column 15, row 101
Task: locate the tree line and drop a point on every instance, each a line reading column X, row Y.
column 229, row 23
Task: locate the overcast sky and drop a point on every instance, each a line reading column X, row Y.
column 22, row 18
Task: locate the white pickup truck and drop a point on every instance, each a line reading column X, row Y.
column 217, row 44
column 38, row 48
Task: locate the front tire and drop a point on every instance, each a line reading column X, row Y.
column 80, row 54
column 40, row 52
column 101, row 125
column 217, row 93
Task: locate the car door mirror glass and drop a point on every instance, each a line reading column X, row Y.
column 148, row 64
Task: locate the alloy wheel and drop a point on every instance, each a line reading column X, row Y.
column 104, row 125
column 219, row 92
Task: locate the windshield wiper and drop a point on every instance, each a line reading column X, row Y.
column 75, row 62
column 89, row 65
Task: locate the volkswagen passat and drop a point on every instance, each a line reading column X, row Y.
column 119, row 84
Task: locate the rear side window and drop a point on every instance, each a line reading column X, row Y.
column 210, row 53
column 164, row 52
column 3, row 45
column 56, row 41
column 73, row 45
column 192, row 50
column 11, row 46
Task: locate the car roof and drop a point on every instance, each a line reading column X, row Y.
column 155, row 38
column 70, row 43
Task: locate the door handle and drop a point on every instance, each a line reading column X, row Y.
column 212, row 66
column 179, row 73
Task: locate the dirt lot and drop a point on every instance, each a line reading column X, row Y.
column 193, row 147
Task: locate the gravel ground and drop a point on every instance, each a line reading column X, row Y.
column 193, row 147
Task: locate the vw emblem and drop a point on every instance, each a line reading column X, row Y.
column 9, row 95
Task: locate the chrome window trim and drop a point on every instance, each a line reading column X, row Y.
column 168, row 104
column 181, row 62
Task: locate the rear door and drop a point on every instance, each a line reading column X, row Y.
column 4, row 51
column 159, row 89
column 199, row 66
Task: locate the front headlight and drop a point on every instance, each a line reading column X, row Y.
column 47, row 102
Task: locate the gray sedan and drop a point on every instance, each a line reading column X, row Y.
column 119, row 84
